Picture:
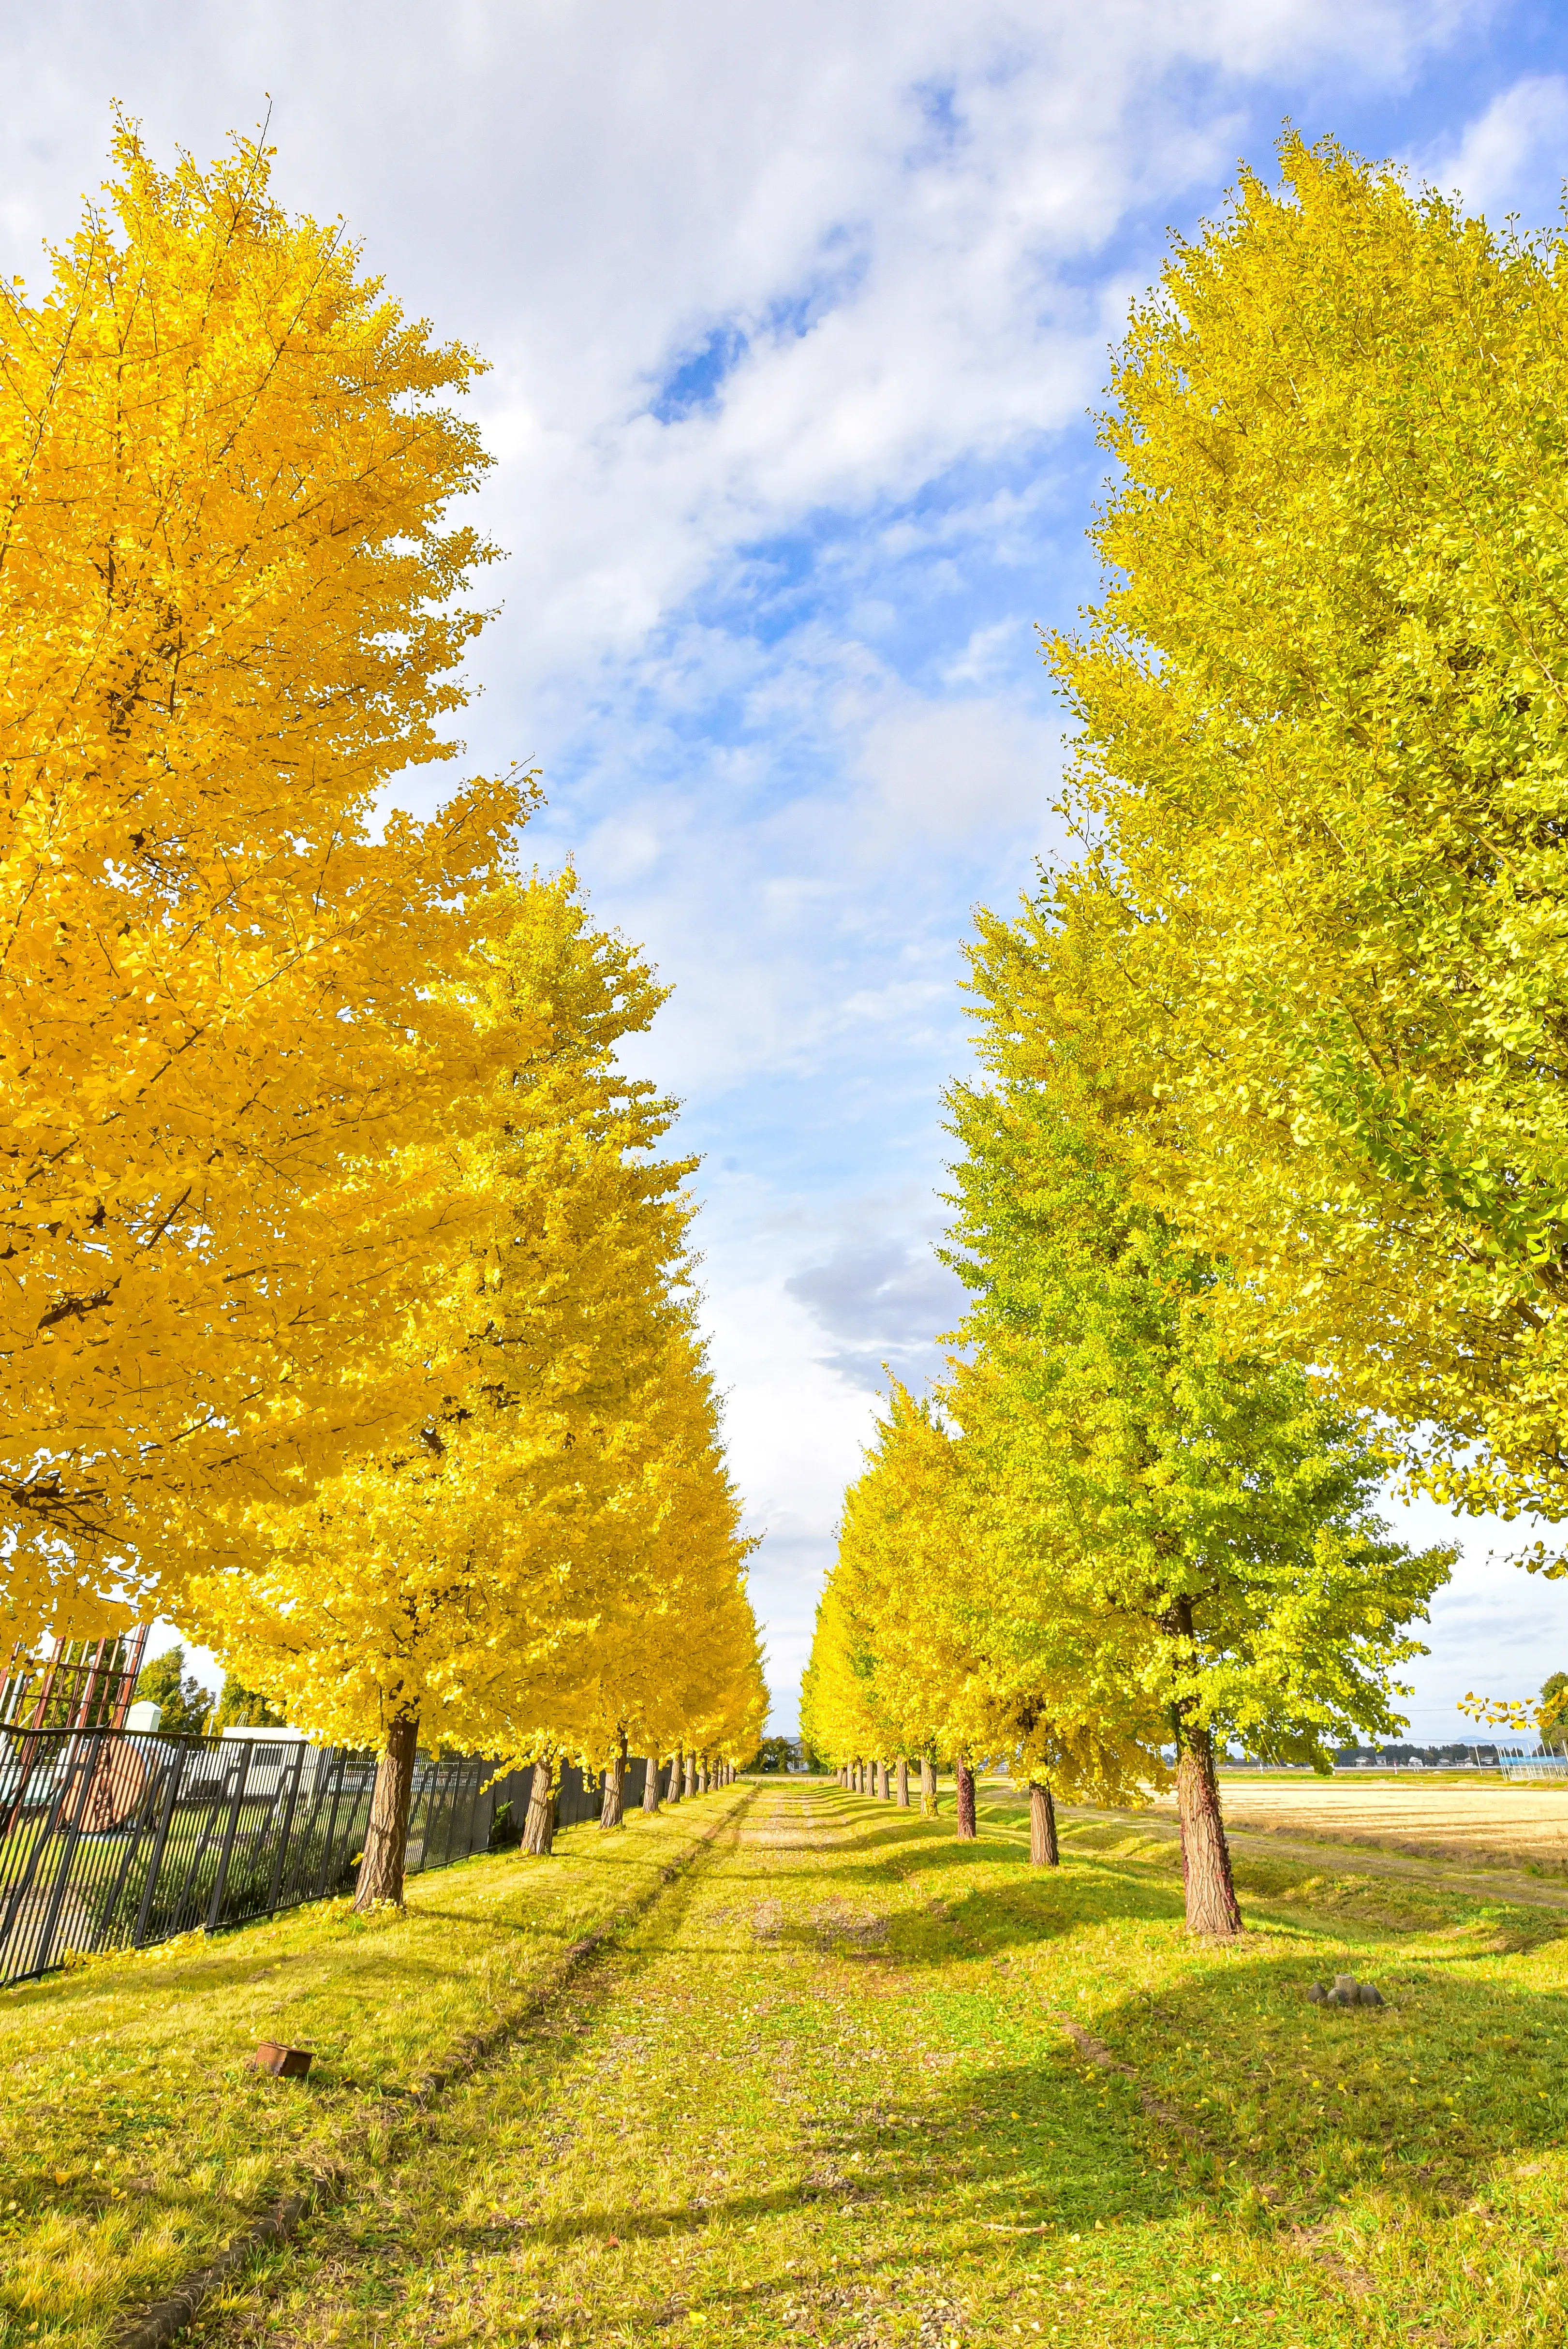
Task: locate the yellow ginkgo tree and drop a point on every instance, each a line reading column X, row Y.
column 1309, row 971
column 938, row 1637
column 478, row 1582
column 1112, row 1537
column 230, row 613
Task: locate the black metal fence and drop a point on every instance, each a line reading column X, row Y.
column 111, row 1839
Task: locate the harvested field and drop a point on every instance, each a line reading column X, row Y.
column 1480, row 1820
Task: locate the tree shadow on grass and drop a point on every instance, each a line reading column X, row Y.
column 1048, row 2143
column 1422, row 2099
column 1022, row 2152
column 236, row 1955
column 1027, row 2138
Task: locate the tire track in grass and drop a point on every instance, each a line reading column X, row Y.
column 166, row 2319
column 352, row 2248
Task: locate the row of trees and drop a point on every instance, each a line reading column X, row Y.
column 1263, row 1196
column 1107, row 1535
column 348, row 1313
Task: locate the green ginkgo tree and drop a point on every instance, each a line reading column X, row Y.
column 1199, row 1528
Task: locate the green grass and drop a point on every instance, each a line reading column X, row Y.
column 134, row 2137
column 825, row 2092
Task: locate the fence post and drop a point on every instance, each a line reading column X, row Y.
column 20, row 1890
column 315, row 1812
column 276, row 1882
column 221, row 1881
column 160, row 1843
column 331, row 1823
column 122, row 1875
column 43, row 1945
column 425, row 1809
column 483, row 1808
column 447, row 1777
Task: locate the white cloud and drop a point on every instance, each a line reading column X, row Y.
column 881, row 1303
column 954, row 767
column 987, row 651
column 767, row 614
column 1514, row 156
column 883, row 203
column 1495, row 1629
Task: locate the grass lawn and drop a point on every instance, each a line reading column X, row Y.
column 854, row 2082
column 134, row 2139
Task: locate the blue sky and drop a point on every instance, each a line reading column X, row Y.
column 796, row 319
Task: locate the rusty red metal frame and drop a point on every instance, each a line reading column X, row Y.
column 80, row 1674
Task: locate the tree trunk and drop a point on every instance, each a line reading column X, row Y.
column 674, row 1793
column 539, row 1828
column 1042, row 1848
column 689, row 1783
column 965, row 1779
column 650, row 1786
column 928, row 1789
column 386, row 1836
column 903, row 1783
column 881, row 1782
column 1211, row 1904
column 614, row 1789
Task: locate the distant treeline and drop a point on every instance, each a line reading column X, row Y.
column 1433, row 1757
